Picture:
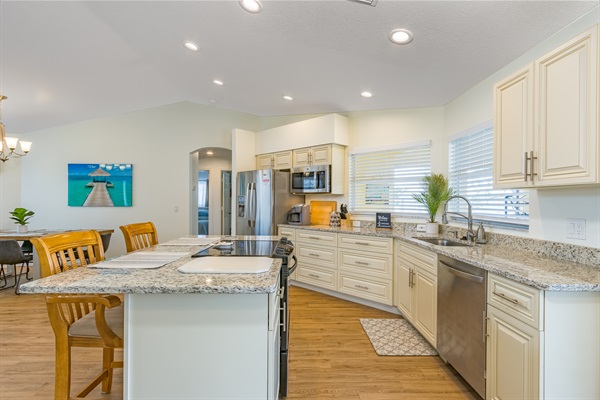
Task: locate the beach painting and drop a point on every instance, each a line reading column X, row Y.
column 100, row 185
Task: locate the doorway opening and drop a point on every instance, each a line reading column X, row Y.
column 211, row 191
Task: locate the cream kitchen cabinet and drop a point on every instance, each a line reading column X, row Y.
column 279, row 160
column 317, row 155
column 317, row 258
column 546, row 119
column 365, row 267
column 416, row 288
column 541, row 344
column 290, row 234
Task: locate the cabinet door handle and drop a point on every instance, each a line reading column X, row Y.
column 361, row 263
column 525, row 173
column 361, row 287
column 505, row 297
column 410, row 278
column 531, row 158
column 314, row 255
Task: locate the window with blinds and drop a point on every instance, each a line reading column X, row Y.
column 470, row 174
column 384, row 181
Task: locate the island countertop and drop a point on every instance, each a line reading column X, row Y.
column 163, row 280
column 539, row 271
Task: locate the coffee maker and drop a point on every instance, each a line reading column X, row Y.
column 299, row 215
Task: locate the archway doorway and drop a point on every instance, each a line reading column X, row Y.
column 211, row 191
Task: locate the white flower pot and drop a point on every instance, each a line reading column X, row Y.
column 432, row 228
column 22, row 228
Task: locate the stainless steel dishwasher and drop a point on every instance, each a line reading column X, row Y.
column 461, row 319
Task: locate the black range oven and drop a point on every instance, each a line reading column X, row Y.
column 282, row 249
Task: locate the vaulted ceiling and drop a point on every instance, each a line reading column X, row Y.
column 62, row 62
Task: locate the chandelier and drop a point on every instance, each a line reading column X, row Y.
column 8, row 145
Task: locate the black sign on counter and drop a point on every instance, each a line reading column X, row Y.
column 383, row 220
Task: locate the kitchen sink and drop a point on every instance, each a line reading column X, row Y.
column 441, row 242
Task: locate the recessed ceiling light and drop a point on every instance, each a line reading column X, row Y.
column 401, row 36
column 209, row 153
column 253, row 6
column 218, row 82
column 191, row 46
column 366, row 95
column 288, row 97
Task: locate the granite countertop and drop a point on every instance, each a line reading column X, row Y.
column 541, row 272
column 163, row 280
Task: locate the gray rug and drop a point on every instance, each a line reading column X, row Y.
column 396, row 337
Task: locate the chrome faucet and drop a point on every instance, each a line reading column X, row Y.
column 468, row 217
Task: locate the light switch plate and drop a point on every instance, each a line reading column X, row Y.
column 576, row 228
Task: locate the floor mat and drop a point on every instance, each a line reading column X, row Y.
column 396, row 337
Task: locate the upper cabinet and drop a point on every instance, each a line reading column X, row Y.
column 546, row 119
column 318, row 155
column 280, row 160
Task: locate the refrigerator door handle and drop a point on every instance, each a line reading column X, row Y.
column 252, row 209
column 249, row 205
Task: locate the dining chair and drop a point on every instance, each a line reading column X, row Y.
column 80, row 320
column 139, row 235
column 11, row 254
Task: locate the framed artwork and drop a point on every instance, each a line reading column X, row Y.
column 100, row 185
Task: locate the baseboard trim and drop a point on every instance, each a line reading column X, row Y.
column 344, row 296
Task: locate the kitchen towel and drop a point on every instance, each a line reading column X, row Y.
column 396, row 337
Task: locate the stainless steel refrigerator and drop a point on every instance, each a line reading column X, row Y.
column 263, row 201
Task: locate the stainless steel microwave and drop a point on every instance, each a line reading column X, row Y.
column 311, row 179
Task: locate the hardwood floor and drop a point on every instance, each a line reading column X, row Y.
column 330, row 356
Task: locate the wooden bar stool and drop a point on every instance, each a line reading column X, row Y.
column 80, row 320
column 139, row 235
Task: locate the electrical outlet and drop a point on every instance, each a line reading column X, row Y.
column 420, row 227
column 576, row 228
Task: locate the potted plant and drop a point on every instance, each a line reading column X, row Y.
column 21, row 216
column 435, row 193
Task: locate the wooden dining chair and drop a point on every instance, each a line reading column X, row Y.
column 80, row 320
column 139, row 235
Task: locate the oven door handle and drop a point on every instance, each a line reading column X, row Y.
column 293, row 268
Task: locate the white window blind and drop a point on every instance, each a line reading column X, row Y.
column 470, row 175
column 384, row 181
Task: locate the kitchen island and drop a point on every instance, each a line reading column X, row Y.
column 189, row 336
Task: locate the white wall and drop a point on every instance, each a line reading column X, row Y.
column 157, row 142
column 549, row 208
column 10, row 190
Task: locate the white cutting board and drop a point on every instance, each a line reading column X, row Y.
column 227, row 265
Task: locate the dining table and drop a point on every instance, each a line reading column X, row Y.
column 12, row 234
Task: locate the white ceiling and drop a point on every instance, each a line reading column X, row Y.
column 62, row 62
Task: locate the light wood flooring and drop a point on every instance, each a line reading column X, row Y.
column 330, row 356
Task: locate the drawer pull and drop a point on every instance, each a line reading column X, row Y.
column 361, row 263
column 314, row 275
column 362, row 243
column 505, row 297
column 314, row 255
column 361, row 287
column 314, row 237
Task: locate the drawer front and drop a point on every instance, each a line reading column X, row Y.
column 316, row 276
column 520, row 301
column 318, row 238
column 369, row 243
column 322, row 256
column 415, row 255
column 289, row 233
column 369, row 264
column 366, row 288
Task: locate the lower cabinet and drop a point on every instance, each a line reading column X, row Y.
column 541, row 344
column 416, row 288
column 317, row 258
column 512, row 357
